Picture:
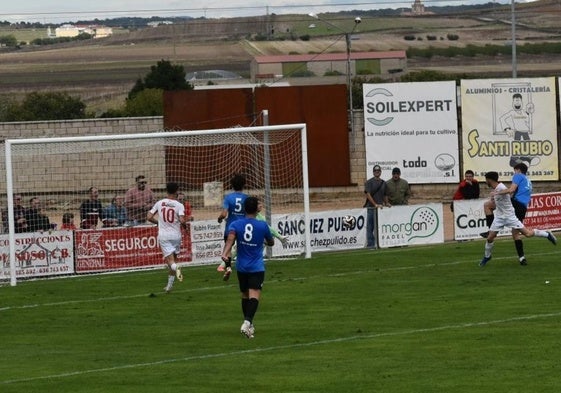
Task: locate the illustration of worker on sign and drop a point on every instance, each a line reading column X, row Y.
column 517, row 124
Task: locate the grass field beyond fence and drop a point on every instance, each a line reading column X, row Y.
column 416, row 319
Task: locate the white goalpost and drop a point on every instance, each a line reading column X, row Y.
column 50, row 181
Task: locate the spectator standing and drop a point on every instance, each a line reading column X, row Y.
column 375, row 190
column 250, row 235
column 170, row 219
column 35, row 218
column 232, row 210
column 115, row 215
column 138, row 201
column 90, row 210
column 398, row 191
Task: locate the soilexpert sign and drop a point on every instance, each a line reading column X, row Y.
column 412, row 126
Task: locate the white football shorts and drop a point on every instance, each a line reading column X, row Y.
column 170, row 246
column 505, row 222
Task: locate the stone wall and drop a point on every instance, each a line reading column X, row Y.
column 103, row 165
column 114, row 171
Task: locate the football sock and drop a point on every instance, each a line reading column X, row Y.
column 252, row 305
column 519, row 247
column 488, row 248
column 171, row 279
column 244, row 306
column 173, row 266
column 540, row 233
column 489, row 219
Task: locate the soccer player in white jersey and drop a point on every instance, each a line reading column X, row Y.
column 505, row 217
column 170, row 218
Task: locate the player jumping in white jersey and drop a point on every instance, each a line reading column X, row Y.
column 170, row 218
column 505, row 217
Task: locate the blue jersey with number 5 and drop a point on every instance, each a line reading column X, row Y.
column 234, row 204
column 250, row 236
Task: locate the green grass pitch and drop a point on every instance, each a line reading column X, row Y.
column 413, row 319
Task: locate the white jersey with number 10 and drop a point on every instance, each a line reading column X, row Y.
column 169, row 211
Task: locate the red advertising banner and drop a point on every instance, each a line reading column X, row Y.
column 39, row 254
column 122, row 248
column 544, row 211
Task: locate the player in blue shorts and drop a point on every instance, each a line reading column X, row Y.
column 250, row 235
column 232, row 210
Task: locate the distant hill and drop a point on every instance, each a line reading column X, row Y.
column 127, row 22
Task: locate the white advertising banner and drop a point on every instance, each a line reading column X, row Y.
column 413, row 126
column 207, row 241
column 470, row 221
column 39, row 254
column 544, row 212
column 507, row 121
column 328, row 231
column 411, row 224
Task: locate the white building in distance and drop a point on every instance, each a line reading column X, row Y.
column 95, row 31
column 417, row 9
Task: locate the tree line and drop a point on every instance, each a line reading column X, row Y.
column 146, row 96
column 144, row 99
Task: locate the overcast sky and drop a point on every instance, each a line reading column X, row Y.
column 58, row 11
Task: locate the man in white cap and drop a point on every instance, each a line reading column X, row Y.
column 375, row 190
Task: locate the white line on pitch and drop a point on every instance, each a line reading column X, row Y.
column 283, row 347
column 343, row 274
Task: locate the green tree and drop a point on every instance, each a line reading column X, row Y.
column 148, row 102
column 46, row 106
column 164, row 76
column 8, row 40
column 6, row 103
column 426, row 76
column 358, row 100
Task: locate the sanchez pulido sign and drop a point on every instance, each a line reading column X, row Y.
column 328, row 231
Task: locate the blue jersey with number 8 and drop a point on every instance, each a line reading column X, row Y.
column 250, row 237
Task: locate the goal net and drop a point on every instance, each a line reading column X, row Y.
column 52, row 183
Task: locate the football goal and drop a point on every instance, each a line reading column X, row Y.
column 102, row 184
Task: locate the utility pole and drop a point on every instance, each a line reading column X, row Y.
column 349, row 68
column 513, row 38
